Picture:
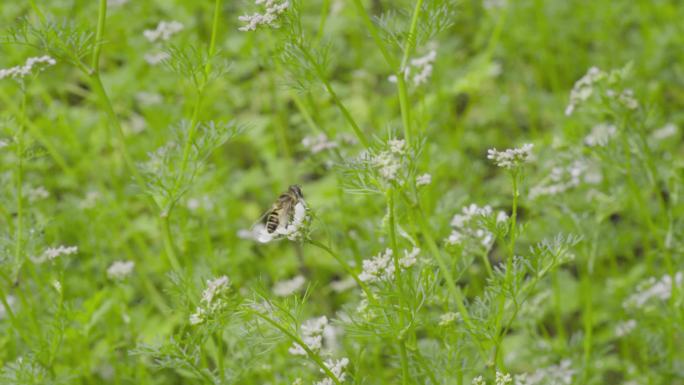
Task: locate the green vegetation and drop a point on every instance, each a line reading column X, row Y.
column 491, row 192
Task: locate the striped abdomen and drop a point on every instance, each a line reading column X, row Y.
column 272, row 221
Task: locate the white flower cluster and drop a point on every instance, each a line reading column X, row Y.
column 467, row 229
column 423, row 180
column 583, row 88
column 154, row 58
column 448, row 318
column 293, row 230
column 34, row 194
column 564, row 178
column 337, row 368
column 654, row 289
column 272, row 9
column 288, row 286
column 318, row 143
column 421, row 68
column 51, row 253
column 560, row 374
column 600, row 135
column 312, row 336
column 501, row 379
column 164, row 31
column 511, row 158
column 624, row 328
column 32, row 64
column 211, row 301
column 667, row 131
column 381, row 266
column 120, row 270
column 389, row 162
column 626, row 98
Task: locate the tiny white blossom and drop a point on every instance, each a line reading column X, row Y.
column 409, row 258
column 479, row 381
column 626, row 98
column 560, row 374
column 154, row 58
column 312, row 336
column 35, row 194
column 214, row 288
column 667, row 131
column 318, row 143
column 57, row 286
column 90, row 200
column 51, row 253
column 4, row 143
column 512, row 157
column 583, row 89
column 422, row 180
column 624, row 328
column 289, row 286
column 120, row 269
column 379, row 267
column 32, row 64
column 600, row 135
column 654, row 289
column 342, row 285
column 198, row 316
column 272, row 10
column 337, row 368
column 388, row 165
column 448, row 318
column 421, row 67
column 163, row 31
column 397, row 146
column 503, row 378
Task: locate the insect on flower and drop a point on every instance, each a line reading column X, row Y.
column 287, row 218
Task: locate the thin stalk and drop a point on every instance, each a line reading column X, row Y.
column 97, row 47
column 403, row 357
column 20, row 180
column 312, row 355
column 168, row 243
column 410, row 42
column 391, row 62
column 325, row 10
column 35, row 132
column 328, row 87
column 345, row 266
column 398, row 281
column 99, row 89
column 404, row 107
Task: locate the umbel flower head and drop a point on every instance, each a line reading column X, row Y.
column 511, row 158
column 212, row 301
column 32, row 65
column 272, row 10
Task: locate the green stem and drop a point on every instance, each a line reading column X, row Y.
column 312, row 355
column 410, row 42
column 168, row 243
column 375, row 35
column 328, row 87
column 404, row 363
column 20, row 180
column 346, row 268
column 347, row 116
column 97, row 47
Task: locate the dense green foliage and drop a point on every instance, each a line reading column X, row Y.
column 137, row 159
